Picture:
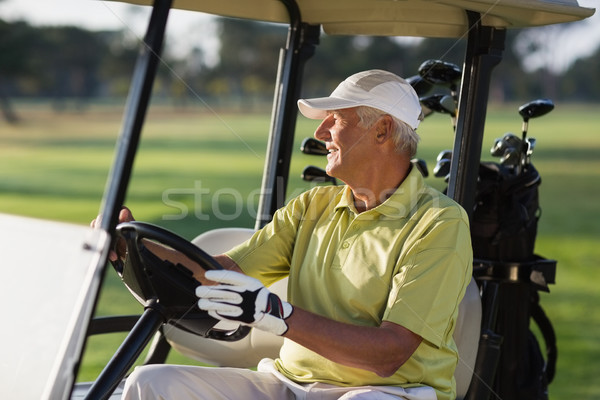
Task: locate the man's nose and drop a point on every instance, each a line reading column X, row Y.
column 322, row 131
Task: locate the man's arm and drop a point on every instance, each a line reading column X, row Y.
column 381, row 350
column 228, row 263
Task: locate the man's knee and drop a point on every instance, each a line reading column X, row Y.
column 146, row 373
column 367, row 394
column 148, row 382
column 179, row 382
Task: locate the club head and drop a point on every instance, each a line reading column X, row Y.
column 434, row 102
column 448, row 103
column 313, row 147
column 426, row 111
column 511, row 157
column 536, row 108
column 497, row 148
column 530, row 145
column 444, row 154
column 421, row 165
column 501, row 144
column 440, row 72
column 442, row 168
column 421, row 86
column 316, row 174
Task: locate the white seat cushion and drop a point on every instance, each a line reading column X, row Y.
column 466, row 336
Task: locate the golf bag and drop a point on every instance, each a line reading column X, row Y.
column 505, row 214
column 503, row 230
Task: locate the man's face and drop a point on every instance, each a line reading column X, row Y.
column 348, row 143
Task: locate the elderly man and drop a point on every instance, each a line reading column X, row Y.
column 376, row 269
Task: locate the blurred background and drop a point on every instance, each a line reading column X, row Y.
column 66, row 66
column 75, row 52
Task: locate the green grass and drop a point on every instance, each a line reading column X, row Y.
column 55, row 166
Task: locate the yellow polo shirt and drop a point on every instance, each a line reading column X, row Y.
column 407, row 261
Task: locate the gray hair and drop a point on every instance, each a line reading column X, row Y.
column 405, row 138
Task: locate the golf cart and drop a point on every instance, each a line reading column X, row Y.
column 166, row 291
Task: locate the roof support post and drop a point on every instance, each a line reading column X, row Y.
column 484, row 51
column 116, row 187
column 300, row 46
column 140, row 92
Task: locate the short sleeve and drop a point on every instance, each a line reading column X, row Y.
column 267, row 254
column 429, row 285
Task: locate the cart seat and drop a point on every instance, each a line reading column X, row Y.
column 247, row 352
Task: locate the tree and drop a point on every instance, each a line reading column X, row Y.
column 582, row 80
column 68, row 62
column 68, row 59
column 340, row 56
column 15, row 39
column 248, row 58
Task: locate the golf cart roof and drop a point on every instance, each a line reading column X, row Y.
column 426, row 18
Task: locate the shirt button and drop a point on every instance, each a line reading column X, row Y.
column 345, row 245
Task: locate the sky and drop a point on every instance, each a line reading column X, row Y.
column 582, row 39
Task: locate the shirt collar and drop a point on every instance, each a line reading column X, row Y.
column 398, row 205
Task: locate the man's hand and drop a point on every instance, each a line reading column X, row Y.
column 120, row 247
column 243, row 299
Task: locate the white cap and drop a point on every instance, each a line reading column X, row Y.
column 374, row 88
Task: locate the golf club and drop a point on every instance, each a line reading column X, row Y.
column 421, row 165
column 500, row 144
column 313, row 147
column 442, row 168
column 316, row 174
column 421, row 86
column 534, row 109
column 444, row 154
column 439, row 72
column 441, row 103
column 511, row 157
column 530, row 145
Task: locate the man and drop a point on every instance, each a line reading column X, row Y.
column 376, row 270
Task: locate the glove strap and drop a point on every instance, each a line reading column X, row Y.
column 275, row 306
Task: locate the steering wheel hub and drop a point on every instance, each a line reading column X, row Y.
column 167, row 287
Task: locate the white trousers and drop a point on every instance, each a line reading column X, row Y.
column 180, row 382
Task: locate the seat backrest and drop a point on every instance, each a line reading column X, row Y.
column 249, row 351
column 466, row 336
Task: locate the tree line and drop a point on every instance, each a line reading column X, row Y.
column 71, row 65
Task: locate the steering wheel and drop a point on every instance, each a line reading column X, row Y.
column 169, row 287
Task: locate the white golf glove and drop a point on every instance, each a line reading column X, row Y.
column 243, row 299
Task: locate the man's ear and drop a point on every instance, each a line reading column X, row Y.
column 383, row 129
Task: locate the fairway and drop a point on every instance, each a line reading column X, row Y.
column 199, row 169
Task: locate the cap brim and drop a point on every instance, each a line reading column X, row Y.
column 318, row 108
